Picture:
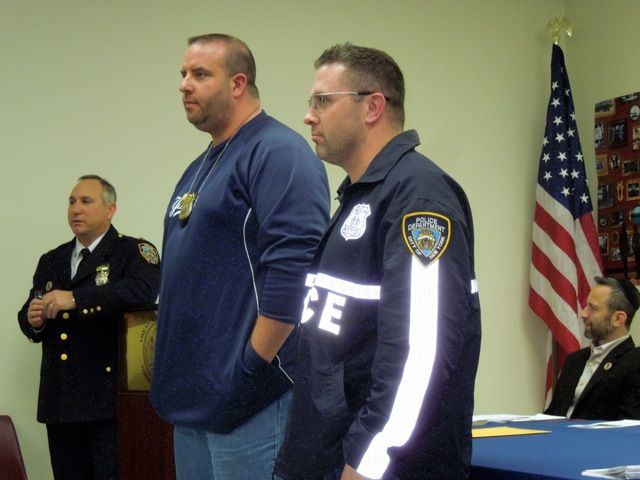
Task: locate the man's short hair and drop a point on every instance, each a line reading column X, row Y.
column 108, row 191
column 370, row 70
column 624, row 296
column 238, row 58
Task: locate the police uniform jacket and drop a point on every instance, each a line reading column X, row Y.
column 390, row 334
column 612, row 393
column 79, row 347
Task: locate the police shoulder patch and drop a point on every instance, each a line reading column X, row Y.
column 149, row 253
column 426, row 234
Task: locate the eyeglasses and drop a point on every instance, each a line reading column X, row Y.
column 317, row 101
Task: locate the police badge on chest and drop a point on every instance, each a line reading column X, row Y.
column 102, row 274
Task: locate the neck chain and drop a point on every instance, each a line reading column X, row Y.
column 188, row 200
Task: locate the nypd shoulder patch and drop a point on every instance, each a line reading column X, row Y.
column 149, row 253
column 426, row 234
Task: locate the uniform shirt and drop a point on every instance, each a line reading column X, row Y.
column 390, row 334
column 77, row 256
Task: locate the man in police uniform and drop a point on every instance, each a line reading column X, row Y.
column 390, row 335
column 80, row 291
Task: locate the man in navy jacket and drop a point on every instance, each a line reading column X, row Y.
column 390, row 334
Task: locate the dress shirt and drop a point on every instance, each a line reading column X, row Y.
column 77, row 255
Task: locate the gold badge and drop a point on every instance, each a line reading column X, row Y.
column 607, row 366
column 149, row 253
column 186, row 205
column 102, row 274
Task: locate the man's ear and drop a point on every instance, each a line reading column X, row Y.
column 111, row 211
column 376, row 106
column 238, row 84
column 619, row 318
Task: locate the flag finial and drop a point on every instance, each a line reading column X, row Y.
column 557, row 25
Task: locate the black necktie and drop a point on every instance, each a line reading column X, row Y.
column 84, row 253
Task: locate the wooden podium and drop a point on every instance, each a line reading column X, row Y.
column 145, row 442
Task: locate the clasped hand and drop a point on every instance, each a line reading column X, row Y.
column 47, row 307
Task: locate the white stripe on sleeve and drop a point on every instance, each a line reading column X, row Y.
column 423, row 332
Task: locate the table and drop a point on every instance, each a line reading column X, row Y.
column 562, row 454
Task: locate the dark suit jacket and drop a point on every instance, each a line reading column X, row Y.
column 613, row 393
column 79, row 347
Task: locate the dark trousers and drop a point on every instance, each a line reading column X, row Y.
column 83, row 450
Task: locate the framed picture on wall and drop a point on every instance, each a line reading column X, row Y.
column 629, row 167
column 614, row 162
column 605, row 108
column 603, row 243
column 632, row 97
column 618, row 133
column 616, row 218
column 635, row 133
column 605, row 195
column 601, row 165
column 598, row 135
column 615, row 238
column 633, row 189
column 615, row 255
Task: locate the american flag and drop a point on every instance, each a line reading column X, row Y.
column 565, row 256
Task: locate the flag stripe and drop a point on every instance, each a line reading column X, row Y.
column 555, row 312
column 562, row 263
column 560, row 284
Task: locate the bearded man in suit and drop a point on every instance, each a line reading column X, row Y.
column 602, row 381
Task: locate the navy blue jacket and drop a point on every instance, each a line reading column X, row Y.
column 390, row 335
column 81, row 386
column 261, row 209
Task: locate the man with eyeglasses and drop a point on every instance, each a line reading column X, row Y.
column 390, row 334
column 602, row 381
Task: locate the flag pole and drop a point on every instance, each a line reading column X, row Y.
column 555, row 27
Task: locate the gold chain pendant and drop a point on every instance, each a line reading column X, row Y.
column 186, row 205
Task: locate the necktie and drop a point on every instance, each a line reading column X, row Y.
column 84, row 253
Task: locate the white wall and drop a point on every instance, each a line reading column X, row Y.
column 91, row 87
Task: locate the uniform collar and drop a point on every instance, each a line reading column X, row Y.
column 385, row 160
column 79, row 246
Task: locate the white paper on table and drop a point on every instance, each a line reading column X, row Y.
column 538, row 417
column 611, row 424
column 509, row 417
column 626, row 472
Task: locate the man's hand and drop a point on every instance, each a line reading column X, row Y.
column 349, row 473
column 268, row 336
column 56, row 301
column 35, row 313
